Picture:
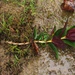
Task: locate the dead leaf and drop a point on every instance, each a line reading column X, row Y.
column 35, row 47
column 53, row 31
column 68, row 5
column 11, row 29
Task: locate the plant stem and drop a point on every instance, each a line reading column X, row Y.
column 26, row 43
column 40, row 41
column 64, row 37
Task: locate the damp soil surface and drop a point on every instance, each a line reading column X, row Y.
column 48, row 14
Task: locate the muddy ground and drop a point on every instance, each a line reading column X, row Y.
column 48, row 14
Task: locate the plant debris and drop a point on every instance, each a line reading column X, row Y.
column 68, row 5
column 35, row 47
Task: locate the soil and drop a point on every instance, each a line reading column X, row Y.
column 48, row 14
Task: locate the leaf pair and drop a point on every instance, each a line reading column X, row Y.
column 42, row 36
column 57, row 37
column 69, row 34
column 57, row 40
column 70, row 37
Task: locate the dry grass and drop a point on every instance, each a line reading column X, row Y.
column 16, row 19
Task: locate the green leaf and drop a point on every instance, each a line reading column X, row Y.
column 70, row 43
column 39, row 37
column 43, row 36
column 35, row 33
column 54, row 49
column 58, row 32
column 70, row 27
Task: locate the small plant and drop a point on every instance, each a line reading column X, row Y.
column 32, row 6
column 18, row 52
column 16, row 60
column 56, row 40
column 5, row 23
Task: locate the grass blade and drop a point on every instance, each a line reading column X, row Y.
column 35, row 33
